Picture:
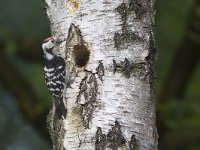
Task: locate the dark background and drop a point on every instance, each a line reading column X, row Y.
column 25, row 101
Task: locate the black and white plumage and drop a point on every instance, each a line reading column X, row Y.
column 55, row 74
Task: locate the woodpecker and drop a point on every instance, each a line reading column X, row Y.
column 55, row 74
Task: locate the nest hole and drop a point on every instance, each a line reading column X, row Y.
column 81, row 55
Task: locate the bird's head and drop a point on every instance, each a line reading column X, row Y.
column 49, row 43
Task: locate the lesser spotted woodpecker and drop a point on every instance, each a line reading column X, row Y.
column 55, row 74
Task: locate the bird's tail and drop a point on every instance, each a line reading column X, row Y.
column 60, row 108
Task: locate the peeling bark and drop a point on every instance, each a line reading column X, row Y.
column 110, row 53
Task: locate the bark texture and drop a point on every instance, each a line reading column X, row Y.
column 110, row 52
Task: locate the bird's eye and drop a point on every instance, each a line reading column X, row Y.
column 52, row 41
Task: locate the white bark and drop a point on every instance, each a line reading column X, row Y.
column 110, row 52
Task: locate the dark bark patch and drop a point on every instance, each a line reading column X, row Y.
column 87, row 97
column 151, row 61
column 74, row 35
column 77, row 48
column 137, row 7
column 100, row 70
column 133, row 143
column 88, row 93
column 100, row 143
column 126, row 36
column 122, row 10
column 83, row 86
column 129, row 68
column 115, row 138
column 87, row 111
column 56, row 130
column 123, row 67
column 115, row 66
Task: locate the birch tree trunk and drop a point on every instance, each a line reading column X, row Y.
column 110, row 53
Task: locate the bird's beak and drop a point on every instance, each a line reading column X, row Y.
column 59, row 40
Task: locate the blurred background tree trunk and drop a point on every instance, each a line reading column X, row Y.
column 175, row 88
column 185, row 60
column 110, row 52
